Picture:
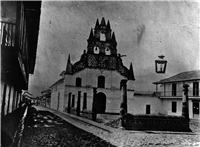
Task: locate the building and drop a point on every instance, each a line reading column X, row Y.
column 19, row 36
column 46, row 97
column 99, row 66
column 57, row 93
column 27, row 97
column 170, row 91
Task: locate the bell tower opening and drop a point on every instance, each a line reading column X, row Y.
column 102, row 37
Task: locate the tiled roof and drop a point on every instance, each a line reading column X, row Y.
column 184, row 76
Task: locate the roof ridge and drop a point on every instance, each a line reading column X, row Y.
column 183, row 76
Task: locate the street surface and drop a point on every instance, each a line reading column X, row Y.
column 44, row 129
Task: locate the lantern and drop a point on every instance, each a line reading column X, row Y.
column 161, row 65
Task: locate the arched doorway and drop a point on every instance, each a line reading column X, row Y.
column 100, row 102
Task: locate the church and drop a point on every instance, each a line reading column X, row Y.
column 100, row 67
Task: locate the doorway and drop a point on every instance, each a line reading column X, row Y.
column 196, row 110
column 100, row 102
column 148, row 109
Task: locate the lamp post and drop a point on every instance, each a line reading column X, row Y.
column 160, row 65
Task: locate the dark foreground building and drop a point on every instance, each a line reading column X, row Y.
column 19, row 37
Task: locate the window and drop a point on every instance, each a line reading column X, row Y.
column 173, row 89
column 174, row 107
column 195, row 107
column 102, row 37
column 195, row 88
column 148, row 109
column 101, row 82
column 78, row 82
column 107, row 51
column 96, row 49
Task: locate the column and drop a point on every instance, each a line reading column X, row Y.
column 124, row 95
column 94, row 113
column 73, row 100
column 20, row 99
column 78, row 104
column 9, row 100
column 123, row 106
column 14, row 100
column 185, row 110
column 69, row 103
column 17, row 100
column 85, row 101
column 4, row 101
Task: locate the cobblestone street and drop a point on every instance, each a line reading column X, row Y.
column 44, row 129
column 151, row 139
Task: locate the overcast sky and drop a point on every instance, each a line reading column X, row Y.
column 143, row 31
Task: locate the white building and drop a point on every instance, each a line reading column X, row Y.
column 171, row 91
column 57, row 94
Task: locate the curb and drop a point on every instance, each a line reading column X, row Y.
column 113, row 130
column 93, row 123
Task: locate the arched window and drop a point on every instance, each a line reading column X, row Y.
column 101, row 82
column 102, row 37
column 107, row 51
column 96, row 49
column 78, row 82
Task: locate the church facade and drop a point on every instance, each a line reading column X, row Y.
column 100, row 67
column 97, row 81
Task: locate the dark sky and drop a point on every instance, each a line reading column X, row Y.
column 143, row 31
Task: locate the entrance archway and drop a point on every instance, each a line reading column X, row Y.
column 100, row 102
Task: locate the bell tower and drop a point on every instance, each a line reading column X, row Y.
column 101, row 53
column 101, row 40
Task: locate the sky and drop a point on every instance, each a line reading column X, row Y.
column 143, row 30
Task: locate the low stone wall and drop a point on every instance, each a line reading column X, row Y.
column 87, row 114
column 9, row 125
column 73, row 111
column 156, row 122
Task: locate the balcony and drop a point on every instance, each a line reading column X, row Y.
column 12, row 67
column 177, row 94
column 7, row 37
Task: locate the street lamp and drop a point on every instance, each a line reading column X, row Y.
column 161, row 65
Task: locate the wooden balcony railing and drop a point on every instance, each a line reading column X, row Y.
column 177, row 94
column 7, row 36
